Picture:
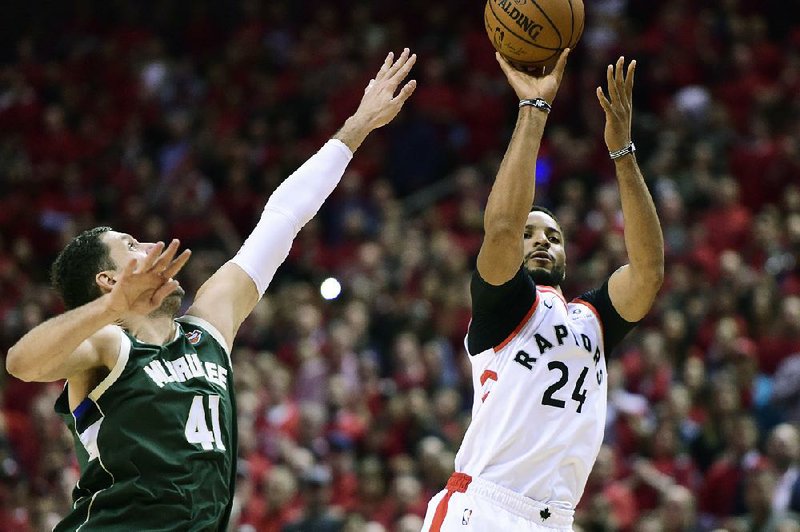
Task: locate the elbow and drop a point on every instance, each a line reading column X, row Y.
column 15, row 366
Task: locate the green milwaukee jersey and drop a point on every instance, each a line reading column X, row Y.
column 156, row 439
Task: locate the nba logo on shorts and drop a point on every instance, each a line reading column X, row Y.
column 193, row 337
column 466, row 516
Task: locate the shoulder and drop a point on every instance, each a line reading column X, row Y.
column 596, row 304
column 581, row 309
column 107, row 343
column 519, row 288
column 194, row 326
column 498, row 312
column 105, row 351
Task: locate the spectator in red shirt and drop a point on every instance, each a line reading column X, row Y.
column 607, row 490
column 279, row 505
column 722, row 492
column 668, row 465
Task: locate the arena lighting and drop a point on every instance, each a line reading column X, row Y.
column 330, row 288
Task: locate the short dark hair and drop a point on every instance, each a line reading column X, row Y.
column 74, row 270
column 548, row 212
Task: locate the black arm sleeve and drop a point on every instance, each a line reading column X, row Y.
column 497, row 310
column 614, row 326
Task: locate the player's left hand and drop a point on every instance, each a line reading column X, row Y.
column 379, row 105
column 619, row 104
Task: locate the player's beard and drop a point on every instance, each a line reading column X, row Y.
column 545, row 277
column 171, row 304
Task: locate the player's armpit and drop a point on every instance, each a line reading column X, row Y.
column 225, row 300
column 632, row 295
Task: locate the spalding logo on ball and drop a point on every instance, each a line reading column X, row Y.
column 532, row 33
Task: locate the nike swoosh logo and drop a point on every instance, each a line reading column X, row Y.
column 548, row 301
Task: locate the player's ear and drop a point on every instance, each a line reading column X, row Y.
column 105, row 280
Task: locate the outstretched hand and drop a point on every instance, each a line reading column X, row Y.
column 535, row 84
column 142, row 285
column 379, row 104
column 619, row 104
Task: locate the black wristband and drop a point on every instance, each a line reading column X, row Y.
column 537, row 103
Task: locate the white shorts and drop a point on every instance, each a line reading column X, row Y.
column 478, row 505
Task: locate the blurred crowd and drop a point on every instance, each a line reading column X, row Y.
column 174, row 118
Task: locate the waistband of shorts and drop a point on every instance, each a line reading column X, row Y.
column 530, row 509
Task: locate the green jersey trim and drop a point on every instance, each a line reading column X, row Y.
column 213, row 331
column 116, row 371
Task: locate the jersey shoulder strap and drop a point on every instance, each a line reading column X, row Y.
column 62, row 403
column 192, row 323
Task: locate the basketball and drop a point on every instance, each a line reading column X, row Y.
column 532, row 33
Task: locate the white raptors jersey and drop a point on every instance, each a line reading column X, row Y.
column 540, row 403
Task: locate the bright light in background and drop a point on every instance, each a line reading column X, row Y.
column 330, row 288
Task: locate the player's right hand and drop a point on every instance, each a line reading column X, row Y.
column 618, row 106
column 142, row 285
column 533, row 84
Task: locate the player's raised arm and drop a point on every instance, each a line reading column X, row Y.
column 633, row 287
column 228, row 297
column 512, row 193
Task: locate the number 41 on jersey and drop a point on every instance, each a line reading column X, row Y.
column 197, row 428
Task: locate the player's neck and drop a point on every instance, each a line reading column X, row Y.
column 156, row 330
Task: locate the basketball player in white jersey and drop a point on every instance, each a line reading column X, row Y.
column 539, row 360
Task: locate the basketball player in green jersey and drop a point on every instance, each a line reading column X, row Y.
column 149, row 398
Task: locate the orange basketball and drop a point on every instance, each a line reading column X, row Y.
column 532, row 33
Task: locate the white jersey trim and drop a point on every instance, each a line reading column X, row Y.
column 89, row 439
column 100, row 459
column 116, row 371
